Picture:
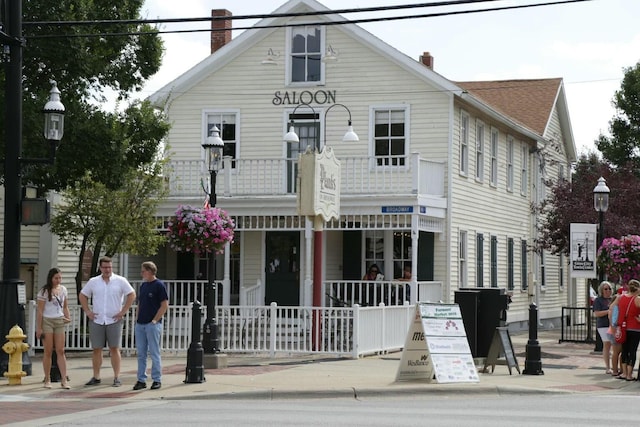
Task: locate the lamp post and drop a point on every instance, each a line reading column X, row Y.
column 601, row 205
column 213, row 147
column 318, row 221
column 12, row 289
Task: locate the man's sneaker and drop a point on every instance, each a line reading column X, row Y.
column 140, row 385
column 116, row 382
column 156, row 385
column 94, row 381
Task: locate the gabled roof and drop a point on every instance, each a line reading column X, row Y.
column 528, row 101
column 238, row 45
column 525, row 104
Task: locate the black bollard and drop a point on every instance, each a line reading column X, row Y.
column 533, row 353
column 195, row 353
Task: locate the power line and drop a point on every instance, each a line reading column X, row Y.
column 323, row 23
column 261, row 16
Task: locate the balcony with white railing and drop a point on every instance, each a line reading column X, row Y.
column 274, row 177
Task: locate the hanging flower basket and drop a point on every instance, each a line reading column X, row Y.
column 200, row 230
column 620, row 259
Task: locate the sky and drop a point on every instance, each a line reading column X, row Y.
column 587, row 44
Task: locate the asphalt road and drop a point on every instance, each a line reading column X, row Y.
column 410, row 410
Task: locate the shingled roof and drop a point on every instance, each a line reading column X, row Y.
column 530, row 102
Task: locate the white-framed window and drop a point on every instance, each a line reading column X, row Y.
column 307, row 127
column 464, row 143
column 390, row 143
column 524, row 166
column 462, row 259
column 510, row 163
column 401, row 252
column 305, row 45
column 495, row 137
column 479, row 151
column 227, row 122
column 373, row 249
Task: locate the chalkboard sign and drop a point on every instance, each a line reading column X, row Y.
column 501, row 344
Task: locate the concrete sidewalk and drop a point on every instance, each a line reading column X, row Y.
column 567, row 367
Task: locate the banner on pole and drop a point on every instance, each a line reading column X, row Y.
column 583, row 240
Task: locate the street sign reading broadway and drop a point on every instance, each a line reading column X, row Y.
column 436, row 347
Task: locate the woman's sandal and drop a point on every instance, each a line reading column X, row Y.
column 65, row 386
column 609, row 372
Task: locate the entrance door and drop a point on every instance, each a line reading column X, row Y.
column 282, row 283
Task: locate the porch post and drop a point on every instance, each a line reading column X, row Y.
column 413, row 284
column 318, row 230
column 308, row 282
column 226, row 280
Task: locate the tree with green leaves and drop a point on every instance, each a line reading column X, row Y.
column 88, row 48
column 92, row 216
column 106, row 166
column 623, row 146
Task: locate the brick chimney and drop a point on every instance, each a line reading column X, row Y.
column 427, row 60
column 220, row 29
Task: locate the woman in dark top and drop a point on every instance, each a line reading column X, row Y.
column 601, row 311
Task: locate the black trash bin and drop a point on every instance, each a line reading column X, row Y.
column 483, row 310
column 467, row 300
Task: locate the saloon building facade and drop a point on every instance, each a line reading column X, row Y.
column 441, row 178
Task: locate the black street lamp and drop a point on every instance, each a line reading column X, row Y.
column 601, row 205
column 213, row 148
column 12, row 289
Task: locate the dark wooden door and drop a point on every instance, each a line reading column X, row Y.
column 282, row 283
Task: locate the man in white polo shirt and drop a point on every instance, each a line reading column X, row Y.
column 108, row 291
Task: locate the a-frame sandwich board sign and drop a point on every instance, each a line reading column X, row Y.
column 436, row 347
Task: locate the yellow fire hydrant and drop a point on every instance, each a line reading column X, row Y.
column 14, row 348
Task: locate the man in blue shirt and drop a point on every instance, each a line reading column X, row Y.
column 153, row 302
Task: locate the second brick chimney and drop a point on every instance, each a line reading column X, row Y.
column 220, row 29
column 427, row 60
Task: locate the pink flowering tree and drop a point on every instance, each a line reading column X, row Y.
column 620, row 259
column 200, row 230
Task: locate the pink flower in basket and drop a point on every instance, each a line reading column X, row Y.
column 200, row 230
column 620, row 259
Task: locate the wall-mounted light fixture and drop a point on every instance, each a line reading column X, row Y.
column 349, row 136
column 331, row 54
column 271, row 58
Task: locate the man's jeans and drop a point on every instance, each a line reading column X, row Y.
column 148, row 342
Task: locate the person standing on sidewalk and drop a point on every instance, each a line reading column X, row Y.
column 53, row 314
column 629, row 311
column 109, row 306
column 153, row 302
column 601, row 311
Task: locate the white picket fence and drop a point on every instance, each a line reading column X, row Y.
column 343, row 331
